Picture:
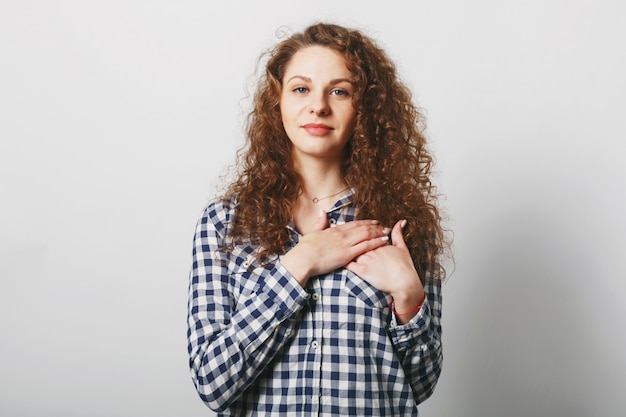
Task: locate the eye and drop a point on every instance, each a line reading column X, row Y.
column 300, row 90
column 340, row 92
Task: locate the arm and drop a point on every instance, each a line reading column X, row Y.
column 417, row 336
column 418, row 344
column 230, row 342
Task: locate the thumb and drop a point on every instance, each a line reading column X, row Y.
column 321, row 223
column 397, row 239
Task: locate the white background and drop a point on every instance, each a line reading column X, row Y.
column 117, row 118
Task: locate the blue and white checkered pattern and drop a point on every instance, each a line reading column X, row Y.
column 262, row 345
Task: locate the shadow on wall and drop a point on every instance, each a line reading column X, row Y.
column 529, row 346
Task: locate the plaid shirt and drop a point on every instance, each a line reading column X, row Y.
column 261, row 345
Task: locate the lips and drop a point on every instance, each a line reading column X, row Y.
column 317, row 129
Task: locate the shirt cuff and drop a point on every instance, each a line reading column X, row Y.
column 285, row 290
column 271, row 308
column 410, row 333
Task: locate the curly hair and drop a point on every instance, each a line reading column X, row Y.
column 387, row 165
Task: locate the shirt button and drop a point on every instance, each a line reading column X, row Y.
column 315, row 296
column 248, row 261
column 314, row 344
column 332, row 221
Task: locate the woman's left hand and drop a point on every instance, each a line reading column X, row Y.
column 390, row 269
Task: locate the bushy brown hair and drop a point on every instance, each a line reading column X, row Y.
column 387, row 164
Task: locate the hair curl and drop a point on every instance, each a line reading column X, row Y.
column 387, row 163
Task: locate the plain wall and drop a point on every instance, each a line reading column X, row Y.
column 117, row 118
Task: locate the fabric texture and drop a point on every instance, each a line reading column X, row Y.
column 260, row 344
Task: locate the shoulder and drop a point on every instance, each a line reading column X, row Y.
column 221, row 207
column 219, row 213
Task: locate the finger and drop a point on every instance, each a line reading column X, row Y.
column 366, row 246
column 354, row 236
column 397, row 239
column 358, row 224
column 321, row 223
column 363, row 229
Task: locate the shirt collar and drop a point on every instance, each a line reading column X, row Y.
column 343, row 201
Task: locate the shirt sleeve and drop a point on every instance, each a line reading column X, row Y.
column 418, row 344
column 232, row 339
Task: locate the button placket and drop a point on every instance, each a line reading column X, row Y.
column 249, row 261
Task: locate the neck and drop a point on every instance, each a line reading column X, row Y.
column 321, row 179
column 321, row 182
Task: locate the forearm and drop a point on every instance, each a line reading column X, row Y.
column 239, row 313
column 227, row 356
column 418, row 343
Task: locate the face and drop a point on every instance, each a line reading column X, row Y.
column 316, row 103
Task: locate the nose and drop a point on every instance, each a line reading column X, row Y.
column 319, row 105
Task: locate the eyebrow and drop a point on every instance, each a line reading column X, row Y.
column 332, row 82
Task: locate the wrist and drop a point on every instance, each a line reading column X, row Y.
column 406, row 300
column 405, row 308
column 294, row 265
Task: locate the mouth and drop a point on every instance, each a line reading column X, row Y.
column 317, row 129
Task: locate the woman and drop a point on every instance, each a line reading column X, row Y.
column 315, row 286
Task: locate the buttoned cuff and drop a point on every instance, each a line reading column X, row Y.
column 410, row 333
column 271, row 309
column 285, row 290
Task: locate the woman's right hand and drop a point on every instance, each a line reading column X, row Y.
column 325, row 248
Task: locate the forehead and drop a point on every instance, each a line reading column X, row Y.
column 317, row 63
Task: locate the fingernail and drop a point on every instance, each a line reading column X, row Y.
column 374, row 221
column 386, row 231
column 403, row 224
column 384, row 238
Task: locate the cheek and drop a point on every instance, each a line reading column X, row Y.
column 351, row 122
column 287, row 111
column 350, row 116
column 288, row 120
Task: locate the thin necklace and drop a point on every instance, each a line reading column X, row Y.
column 316, row 200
